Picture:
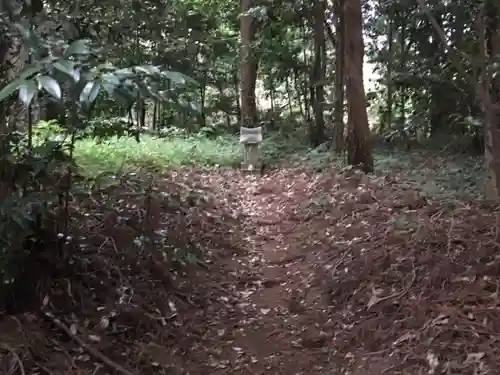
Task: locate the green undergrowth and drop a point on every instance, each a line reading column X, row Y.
column 295, row 147
column 154, row 152
column 113, row 154
column 279, row 145
column 440, row 175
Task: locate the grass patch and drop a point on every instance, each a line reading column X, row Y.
column 179, row 148
column 153, row 152
column 110, row 155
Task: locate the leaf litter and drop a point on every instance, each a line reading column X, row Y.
column 206, row 271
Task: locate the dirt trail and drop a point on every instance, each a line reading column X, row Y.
column 347, row 273
column 278, row 299
column 305, row 273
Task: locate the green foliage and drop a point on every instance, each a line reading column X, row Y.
column 39, row 175
column 174, row 147
column 49, row 130
column 112, row 154
column 125, row 85
column 423, row 79
column 32, row 184
column 276, row 146
column 444, row 176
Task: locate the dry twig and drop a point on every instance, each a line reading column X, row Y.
column 17, row 360
column 95, row 353
column 399, row 294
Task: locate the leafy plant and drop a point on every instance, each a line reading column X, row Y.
column 38, row 169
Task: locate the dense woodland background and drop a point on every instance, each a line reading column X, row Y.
column 93, row 94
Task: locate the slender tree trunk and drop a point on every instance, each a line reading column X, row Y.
column 271, row 95
column 492, row 107
column 298, row 91
column 306, row 83
column 154, row 125
column 236, row 82
column 387, row 119
column 359, row 152
column 289, row 94
column 203, row 91
column 143, row 107
column 318, row 127
column 338, row 112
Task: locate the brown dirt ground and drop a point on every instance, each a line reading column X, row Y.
column 302, row 273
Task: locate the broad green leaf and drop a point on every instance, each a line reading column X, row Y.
column 111, row 78
column 122, row 97
column 148, row 69
column 175, row 76
column 109, row 87
column 195, row 106
column 124, row 73
column 11, row 87
column 77, row 75
column 164, row 95
column 30, row 70
column 78, row 47
column 27, row 91
column 67, row 67
column 51, row 86
column 90, row 92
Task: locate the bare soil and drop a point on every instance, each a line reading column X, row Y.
column 300, row 273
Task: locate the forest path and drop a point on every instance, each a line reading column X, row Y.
column 346, row 273
column 276, row 310
column 303, row 273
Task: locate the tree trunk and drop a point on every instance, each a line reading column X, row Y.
column 154, row 122
column 272, row 92
column 402, row 67
column 248, row 67
column 203, row 92
column 318, row 127
column 338, row 112
column 359, row 152
column 387, row 118
column 298, row 91
column 237, row 85
column 492, row 105
column 440, row 93
column 305, row 73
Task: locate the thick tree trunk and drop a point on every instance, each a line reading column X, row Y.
column 359, row 150
column 248, row 68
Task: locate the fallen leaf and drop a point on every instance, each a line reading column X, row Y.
column 94, row 338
